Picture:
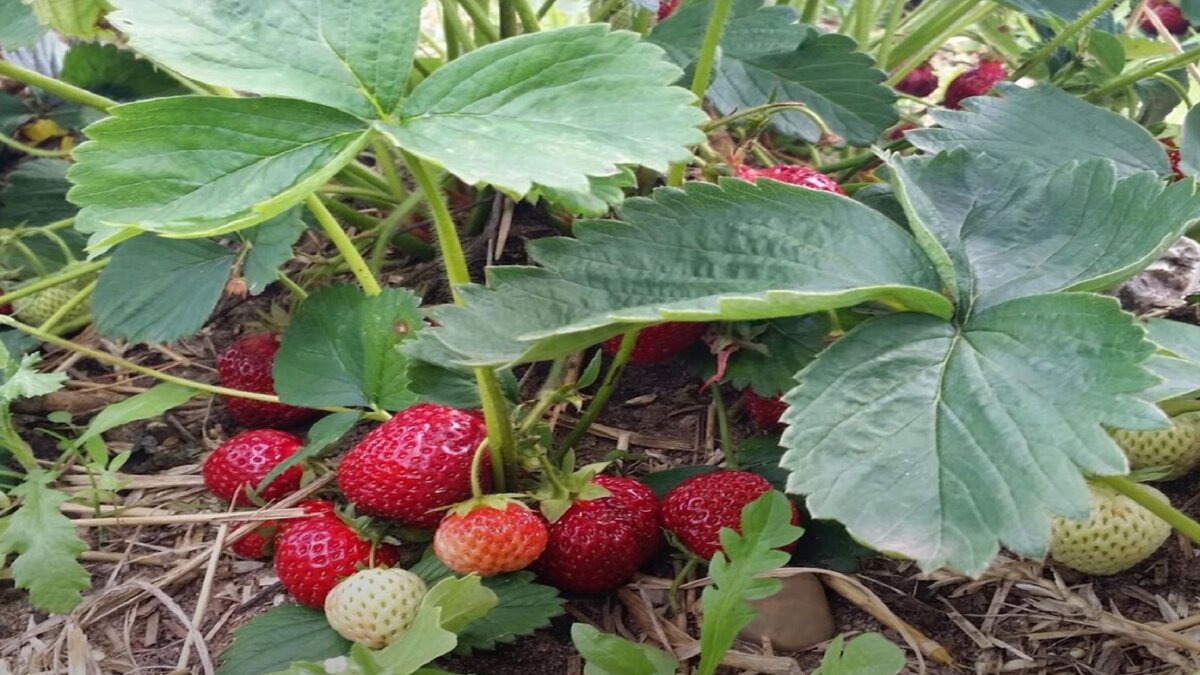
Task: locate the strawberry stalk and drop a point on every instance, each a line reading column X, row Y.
column 67, row 276
column 603, row 394
column 703, row 73
column 338, row 236
column 1173, row 516
column 723, row 428
column 1128, row 79
column 495, row 412
column 1059, row 40
column 926, row 49
column 30, row 150
column 61, row 89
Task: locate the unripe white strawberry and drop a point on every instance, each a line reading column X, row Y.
column 1119, row 534
column 1177, row 448
column 375, row 606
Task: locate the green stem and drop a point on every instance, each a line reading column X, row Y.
column 1174, row 517
column 703, row 73
column 71, row 274
column 476, row 461
column 811, row 9
column 455, row 27
column 480, row 19
column 862, row 21
column 31, row 150
column 1045, row 51
column 508, row 18
column 293, row 287
column 453, row 49
column 723, row 428
column 603, row 394
column 495, row 410
column 606, row 10
column 545, row 8
column 529, row 20
column 386, row 161
column 337, row 235
column 546, row 396
column 67, row 307
column 365, row 175
column 67, row 92
column 32, row 258
column 1123, row 81
column 366, row 194
column 926, row 38
column 889, row 31
column 765, row 109
column 387, row 228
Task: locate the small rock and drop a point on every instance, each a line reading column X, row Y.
column 1166, row 283
column 795, row 618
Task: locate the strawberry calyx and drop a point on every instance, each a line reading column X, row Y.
column 499, row 502
column 562, row 488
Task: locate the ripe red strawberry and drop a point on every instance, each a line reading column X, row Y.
column 697, row 509
column 246, row 365
column 241, row 462
column 974, row 82
column 259, row 543
column 598, row 544
column 920, row 81
column 764, row 411
column 313, row 554
column 1171, row 16
column 900, row 130
column 666, row 8
column 658, row 343
column 415, row 463
column 1173, row 156
column 486, row 540
column 793, row 174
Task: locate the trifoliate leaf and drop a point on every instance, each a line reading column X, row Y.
column 942, row 443
column 1045, row 126
column 116, row 73
column 323, row 433
column 353, row 55
column 869, row 654
column 46, row 547
column 766, row 525
column 766, row 56
column 340, row 349
column 608, row 654
column 731, row 252
column 194, row 166
column 274, row 639
column 782, row 348
column 1177, row 360
column 270, row 247
column 74, row 18
column 189, row 276
column 19, row 26
column 552, row 108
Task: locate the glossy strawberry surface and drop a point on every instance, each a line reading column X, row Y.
column 414, row 464
column 246, row 365
column 489, row 541
column 659, row 343
column 242, row 462
column 697, row 509
column 920, row 81
column 974, row 82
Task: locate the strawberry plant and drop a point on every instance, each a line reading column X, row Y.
column 907, row 269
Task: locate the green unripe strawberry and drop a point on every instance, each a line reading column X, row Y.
column 1119, row 534
column 1177, row 448
column 37, row 308
column 375, row 606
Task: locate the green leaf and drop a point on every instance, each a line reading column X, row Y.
column 340, row 349
column 352, row 55
column 194, row 166
column 552, row 108
column 423, row 642
column 1107, row 50
column 73, row 18
column 766, row 525
column 523, row 607
column 1001, row 229
column 941, row 443
column 18, row 25
column 36, row 194
column 21, row 378
column 116, row 73
column 761, row 454
column 827, row 544
column 46, row 547
column 150, row 403
column 869, row 654
column 1177, row 360
column 188, row 276
column 1189, row 143
column 1066, row 9
column 767, row 57
column 608, row 654
column 604, row 193
column 270, row 247
column 463, row 600
column 786, row 345
column 13, row 110
column 731, row 252
column 1045, row 126
column 279, row 636
column 323, row 433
